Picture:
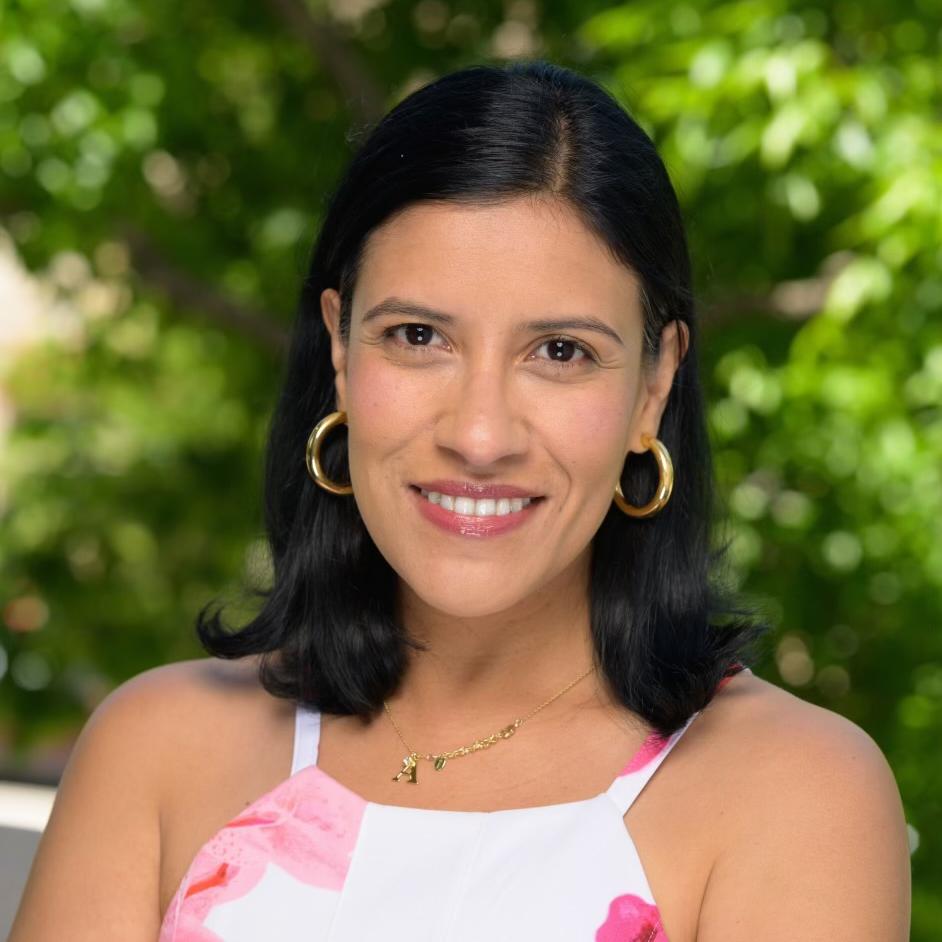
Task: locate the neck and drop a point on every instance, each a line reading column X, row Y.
column 487, row 670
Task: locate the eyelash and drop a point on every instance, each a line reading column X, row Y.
column 389, row 331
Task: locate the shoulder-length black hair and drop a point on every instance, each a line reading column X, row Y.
column 327, row 630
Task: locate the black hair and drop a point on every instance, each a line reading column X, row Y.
column 666, row 626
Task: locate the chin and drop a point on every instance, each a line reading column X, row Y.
column 470, row 601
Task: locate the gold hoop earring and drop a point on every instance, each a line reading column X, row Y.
column 664, row 487
column 313, row 453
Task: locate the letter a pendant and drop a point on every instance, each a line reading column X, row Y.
column 408, row 768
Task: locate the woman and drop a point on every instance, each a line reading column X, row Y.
column 495, row 604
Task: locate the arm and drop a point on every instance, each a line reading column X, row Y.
column 820, row 850
column 96, row 870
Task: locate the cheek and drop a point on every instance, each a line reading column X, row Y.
column 386, row 407
column 589, row 435
column 388, row 417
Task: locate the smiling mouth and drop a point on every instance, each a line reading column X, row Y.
column 477, row 507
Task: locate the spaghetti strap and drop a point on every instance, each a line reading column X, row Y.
column 631, row 780
column 307, row 729
column 644, row 763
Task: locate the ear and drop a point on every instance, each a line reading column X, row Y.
column 675, row 340
column 330, row 311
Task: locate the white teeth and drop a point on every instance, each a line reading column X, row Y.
column 488, row 507
column 464, row 505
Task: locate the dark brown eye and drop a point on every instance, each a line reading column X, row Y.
column 418, row 333
column 565, row 352
column 417, row 336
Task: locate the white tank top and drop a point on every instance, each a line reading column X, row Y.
column 311, row 860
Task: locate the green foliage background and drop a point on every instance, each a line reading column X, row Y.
column 162, row 174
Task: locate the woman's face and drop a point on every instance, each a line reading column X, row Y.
column 471, row 390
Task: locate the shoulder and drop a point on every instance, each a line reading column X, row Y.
column 815, row 842
column 104, row 829
column 187, row 710
column 205, row 685
column 153, row 715
column 788, row 753
column 797, row 742
column 204, row 677
column 173, row 704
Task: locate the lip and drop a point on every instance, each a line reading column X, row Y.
column 469, row 525
column 477, row 491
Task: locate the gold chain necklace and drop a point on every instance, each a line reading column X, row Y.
column 410, row 762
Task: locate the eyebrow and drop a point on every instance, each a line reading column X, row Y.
column 400, row 307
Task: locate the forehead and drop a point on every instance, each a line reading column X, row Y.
column 520, row 256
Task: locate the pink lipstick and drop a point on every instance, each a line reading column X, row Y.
column 465, row 524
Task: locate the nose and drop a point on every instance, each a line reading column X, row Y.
column 480, row 422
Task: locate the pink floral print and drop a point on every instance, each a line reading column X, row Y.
column 650, row 749
column 307, row 826
column 631, row 919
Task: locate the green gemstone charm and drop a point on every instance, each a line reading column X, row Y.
column 440, row 762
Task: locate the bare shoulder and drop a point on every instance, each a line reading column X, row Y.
column 217, row 724
column 104, row 830
column 207, row 699
column 205, row 679
column 797, row 743
column 175, row 708
column 815, row 843
column 198, row 680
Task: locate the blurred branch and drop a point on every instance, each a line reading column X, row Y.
column 795, row 300
column 186, row 291
column 334, row 54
